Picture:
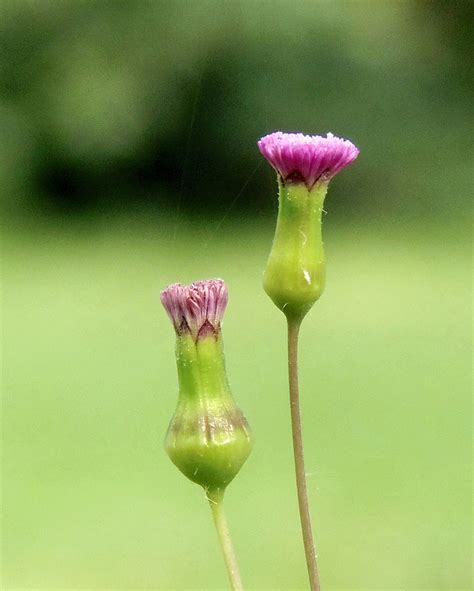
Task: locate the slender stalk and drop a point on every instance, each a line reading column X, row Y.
column 305, row 517
column 216, row 502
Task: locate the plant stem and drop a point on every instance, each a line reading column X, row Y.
column 215, row 499
column 305, row 518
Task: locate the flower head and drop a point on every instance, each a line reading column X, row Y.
column 300, row 158
column 197, row 308
column 208, row 438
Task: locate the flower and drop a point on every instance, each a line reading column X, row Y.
column 208, row 438
column 197, row 308
column 295, row 273
column 300, row 158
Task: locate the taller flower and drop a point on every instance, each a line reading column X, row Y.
column 307, row 158
column 295, row 273
column 208, row 438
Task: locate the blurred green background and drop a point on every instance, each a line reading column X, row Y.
column 128, row 161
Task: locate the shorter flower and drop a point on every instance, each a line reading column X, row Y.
column 307, row 158
column 208, row 438
column 295, row 273
column 197, row 308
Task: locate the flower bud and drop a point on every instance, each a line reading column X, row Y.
column 295, row 273
column 208, row 438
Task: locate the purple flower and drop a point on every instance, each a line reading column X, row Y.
column 197, row 308
column 300, row 158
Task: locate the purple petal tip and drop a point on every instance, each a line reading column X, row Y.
column 193, row 308
column 307, row 158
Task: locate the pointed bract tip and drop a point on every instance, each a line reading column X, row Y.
column 193, row 308
column 307, row 158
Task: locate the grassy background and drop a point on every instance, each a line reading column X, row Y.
column 90, row 500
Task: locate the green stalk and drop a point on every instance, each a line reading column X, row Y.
column 305, row 517
column 216, row 499
column 294, row 279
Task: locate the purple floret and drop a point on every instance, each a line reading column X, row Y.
column 197, row 308
column 307, row 158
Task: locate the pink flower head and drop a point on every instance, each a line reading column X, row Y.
column 197, row 308
column 300, row 158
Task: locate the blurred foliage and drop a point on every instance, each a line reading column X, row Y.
column 110, row 104
column 136, row 121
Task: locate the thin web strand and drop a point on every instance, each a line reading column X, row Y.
column 187, row 152
column 233, row 203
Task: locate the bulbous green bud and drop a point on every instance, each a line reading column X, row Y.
column 208, row 438
column 295, row 273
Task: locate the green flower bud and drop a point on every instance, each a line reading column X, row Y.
column 295, row 273
column 208, row 438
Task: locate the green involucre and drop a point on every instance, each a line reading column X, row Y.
column 208, row 438
column 295, row 273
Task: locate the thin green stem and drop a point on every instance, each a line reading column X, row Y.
column 305, row 517
column 216, row 502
